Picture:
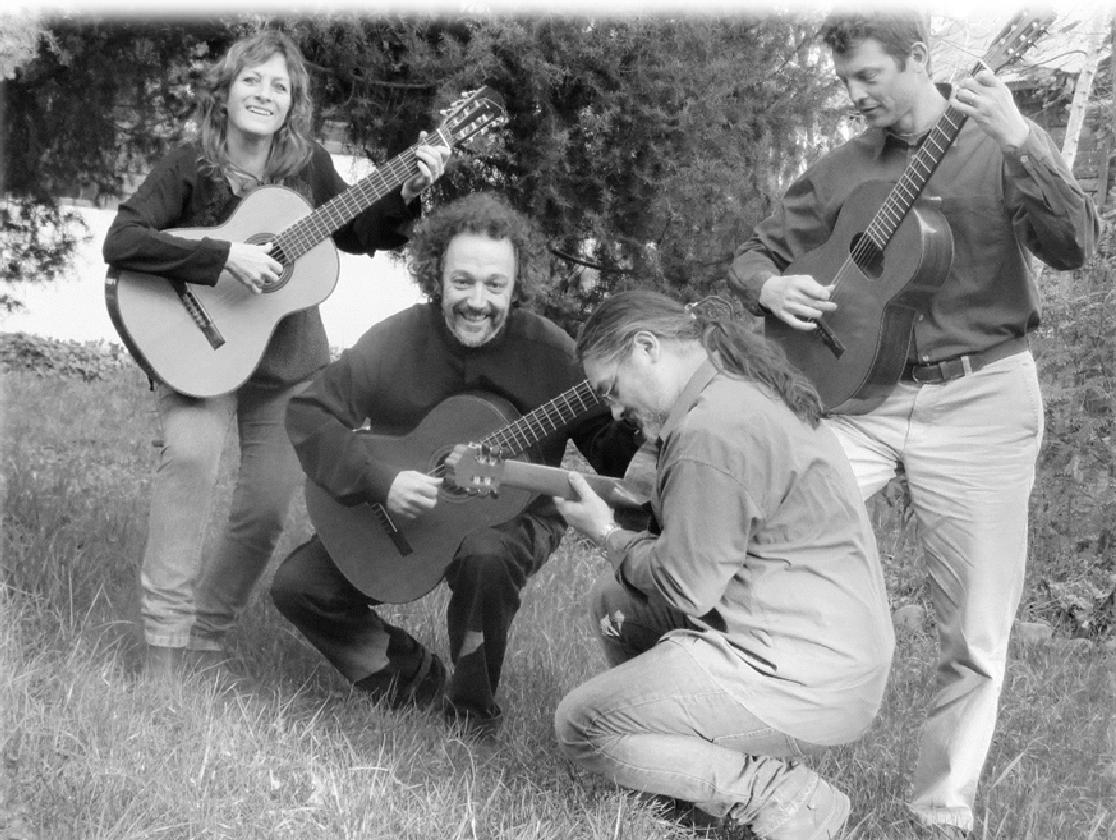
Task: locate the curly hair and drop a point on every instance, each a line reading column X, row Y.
column 896, row 31
column 486, row 214
column 291, row 145
column 733, row 348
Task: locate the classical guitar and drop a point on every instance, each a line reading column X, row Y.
column 482, row 469
column 206, row 340
column 883, row 265
column 399, row 561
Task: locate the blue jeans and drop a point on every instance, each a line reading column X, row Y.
column 183, row 601
column 968, row 448
column 658, row 722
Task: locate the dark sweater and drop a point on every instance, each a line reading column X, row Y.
column 183, row 191
column 406, row 365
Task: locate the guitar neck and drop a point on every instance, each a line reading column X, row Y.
column 535, row 426
column 554, row 481
column 914, row 178
column 308, row 231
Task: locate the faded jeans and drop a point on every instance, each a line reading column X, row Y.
column 658, row 722
column 968, row 448
column 183, row 601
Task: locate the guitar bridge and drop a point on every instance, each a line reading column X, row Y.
column 199, row 316
column 830, row 339
column 393, row 532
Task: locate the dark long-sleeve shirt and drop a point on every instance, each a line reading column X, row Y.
column 999, row 206
column 767, row 547
column 407, row 364
column 183, row 191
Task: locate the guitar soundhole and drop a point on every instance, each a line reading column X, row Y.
column 448, row 492
column 278, row 254
column 867, row 256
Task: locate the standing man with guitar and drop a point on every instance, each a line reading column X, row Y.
column 477, row 260
column 964, row 419
column 253, row 117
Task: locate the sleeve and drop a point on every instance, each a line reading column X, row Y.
column 607, row 444
column 708, row 519
column 321, row 423
column 137, row 239
column 1050, row 212
column 797, row 225
column 384, row 226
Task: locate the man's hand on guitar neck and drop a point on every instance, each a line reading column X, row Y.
column 412, row 494
column 796, row 299
column 988, row 102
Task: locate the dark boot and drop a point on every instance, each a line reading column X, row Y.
column 419, row 689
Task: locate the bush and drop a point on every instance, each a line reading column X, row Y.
column 87, row 360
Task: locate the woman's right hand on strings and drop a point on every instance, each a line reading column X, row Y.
column 252, row 266
column 412, row 494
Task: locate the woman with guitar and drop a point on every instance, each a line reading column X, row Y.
column 950, row 396
column 254, row 121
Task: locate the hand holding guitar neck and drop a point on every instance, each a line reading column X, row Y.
column 481, row 469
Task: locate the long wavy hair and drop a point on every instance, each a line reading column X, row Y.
column 485, row 214
column 291, row 145
column 733, row 348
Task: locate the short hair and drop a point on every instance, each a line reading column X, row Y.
column 896, row 32
column 484, row 214
column 733, row 348
column 291, row 145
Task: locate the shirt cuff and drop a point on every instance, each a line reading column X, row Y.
column 616, row 544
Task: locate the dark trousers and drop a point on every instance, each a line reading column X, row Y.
column 486, row 576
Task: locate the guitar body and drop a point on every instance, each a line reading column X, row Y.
column 164, row 338
column 876, row 306
column 362, row 547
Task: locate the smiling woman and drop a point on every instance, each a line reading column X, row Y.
column 254, row 119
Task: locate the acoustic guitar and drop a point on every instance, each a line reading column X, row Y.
column 206, row 340
column 884, row 265
column 483, row 470
column 398, row 561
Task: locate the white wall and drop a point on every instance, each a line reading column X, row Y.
column 368, row 290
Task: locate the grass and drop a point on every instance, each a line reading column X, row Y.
column 90, row 750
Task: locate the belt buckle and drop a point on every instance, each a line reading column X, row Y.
column 934, row 372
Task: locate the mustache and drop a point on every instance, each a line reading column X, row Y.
column 463, row 308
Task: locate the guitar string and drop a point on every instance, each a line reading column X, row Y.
column 891, row 214
column 313, row 228
column 877, row 233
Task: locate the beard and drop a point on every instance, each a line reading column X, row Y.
column 650, row 422
column 474, row 327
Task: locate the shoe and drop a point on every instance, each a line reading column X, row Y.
column 164, row 663
column 941, row 831
column 483, row 726
column 420, row 691
column 820, row 817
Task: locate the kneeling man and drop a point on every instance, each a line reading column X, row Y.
column 754, row 629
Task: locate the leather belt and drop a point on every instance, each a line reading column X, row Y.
column 950, row 369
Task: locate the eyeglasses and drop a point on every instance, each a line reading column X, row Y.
column 611, row 393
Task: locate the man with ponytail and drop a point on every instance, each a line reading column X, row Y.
column 753, row 629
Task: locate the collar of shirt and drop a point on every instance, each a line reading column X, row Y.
column 688, row 398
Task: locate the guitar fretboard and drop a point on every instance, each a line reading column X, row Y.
column 548, row 418
column 913, row 180
column 311, row 229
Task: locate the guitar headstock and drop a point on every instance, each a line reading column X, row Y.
column 475, row 112
column 476, row 468
column 1018, row 35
